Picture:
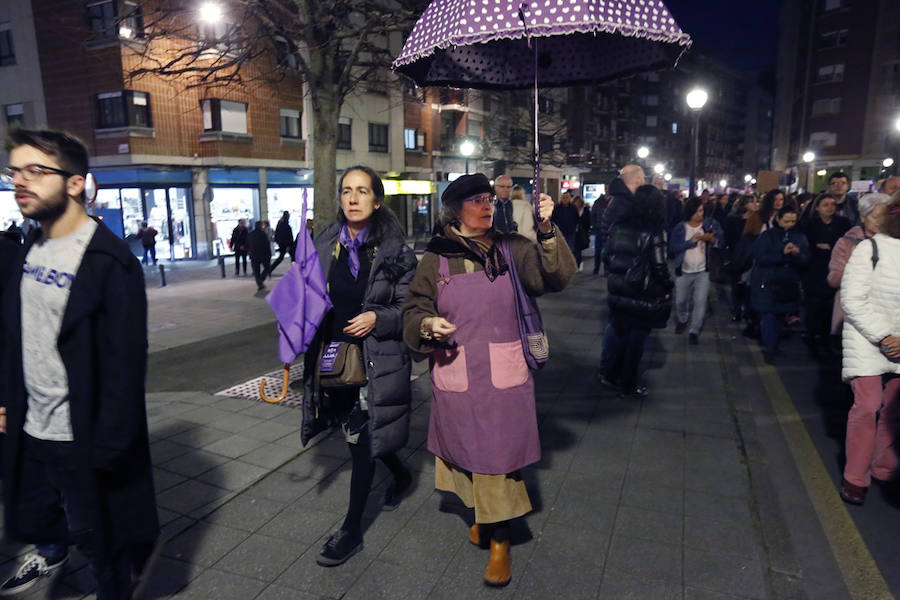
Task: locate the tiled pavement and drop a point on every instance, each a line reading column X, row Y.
column 633, row 499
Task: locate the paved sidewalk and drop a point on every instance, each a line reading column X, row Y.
column 633, row 499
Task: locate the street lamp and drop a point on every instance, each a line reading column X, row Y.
column 696, row 100
column 723, row 183
column 667, row 177
column 887, row 163
column 808, row 157
column 659, row 168
column 747, row 178
column 466, row 149
column 643, row 152
column 211, row 12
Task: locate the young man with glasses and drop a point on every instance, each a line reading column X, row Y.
column 77, row 464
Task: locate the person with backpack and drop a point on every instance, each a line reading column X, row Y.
column 284, row 237
column 870, row 297
column 639, row 289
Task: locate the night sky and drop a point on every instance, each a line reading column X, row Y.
column 742, row 32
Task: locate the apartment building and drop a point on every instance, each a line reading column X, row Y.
column 838, row 81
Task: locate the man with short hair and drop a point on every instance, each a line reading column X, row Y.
column 847, row 204
column 621, row 192
column 147, row 234
column 503, row 207
column 74, row 316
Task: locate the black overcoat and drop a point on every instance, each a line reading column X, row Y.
column 103, row 345
column 387, row 362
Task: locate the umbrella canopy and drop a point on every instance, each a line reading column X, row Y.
column 300, row 300
column 484, row 43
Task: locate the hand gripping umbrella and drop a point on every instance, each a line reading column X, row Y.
column 300, row 301
column 509, row 44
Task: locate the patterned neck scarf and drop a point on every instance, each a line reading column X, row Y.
column 484, row 248
column 353, row 245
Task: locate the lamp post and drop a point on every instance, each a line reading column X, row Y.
column 808, row 157
column 643, row 152
column 210, row 12
column 466, row 149
column 696, row 100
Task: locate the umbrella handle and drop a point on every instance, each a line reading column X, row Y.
column 284, row 386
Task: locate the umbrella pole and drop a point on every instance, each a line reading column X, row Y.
column 286, row 376
column 536, row 195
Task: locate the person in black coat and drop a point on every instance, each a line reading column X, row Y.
column 368, row 267
column 239, row 245
column 83, row 474
column 823, row 229
column 639, row 288
column 565, row 216
column 260, row 253
column 284, row 237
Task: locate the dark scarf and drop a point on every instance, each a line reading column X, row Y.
column 452, row 244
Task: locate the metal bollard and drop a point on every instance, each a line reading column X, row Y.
column 222, row 265
column 162, row 275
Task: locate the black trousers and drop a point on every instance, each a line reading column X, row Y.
column 238, row 254
column 260, row 270
column 58, row 502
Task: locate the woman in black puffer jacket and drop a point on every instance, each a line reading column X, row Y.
column 639, row 288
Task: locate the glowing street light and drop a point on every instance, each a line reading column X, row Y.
column 696, row 100
column 466, row 149
column 643, row 152
column 897, row 124
column 723, row 183
column 747, row 178
column 667, row 177
column 659, row 168
column 821, row 172
column 887, row 163
column 210, row 12
column 809, row 156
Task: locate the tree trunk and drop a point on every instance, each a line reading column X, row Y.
column 327, row 112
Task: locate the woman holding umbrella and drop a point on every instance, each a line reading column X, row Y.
column 461, row 311
column 368, row 268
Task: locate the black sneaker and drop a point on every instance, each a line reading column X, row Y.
column 680, row 327
column 396, row 491
column 606, row 381
column 637, row 393
column 33, row 569
column 144, row 558
column 693, row 340
column 339, row 547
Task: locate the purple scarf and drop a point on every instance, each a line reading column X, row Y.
column 353, row 245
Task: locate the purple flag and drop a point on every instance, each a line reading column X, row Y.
column 300, row 300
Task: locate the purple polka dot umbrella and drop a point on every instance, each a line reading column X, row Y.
column 503, row 44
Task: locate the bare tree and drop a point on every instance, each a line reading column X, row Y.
column 333, row 47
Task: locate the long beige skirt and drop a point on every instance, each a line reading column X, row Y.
column 495, row 498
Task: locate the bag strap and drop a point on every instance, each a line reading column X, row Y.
column 874, row 253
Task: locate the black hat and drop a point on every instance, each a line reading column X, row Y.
column 464, row 187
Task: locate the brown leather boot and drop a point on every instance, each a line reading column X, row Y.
column 499, row 568
column 475, row 534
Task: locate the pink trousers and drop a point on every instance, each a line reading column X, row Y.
column 870, row 430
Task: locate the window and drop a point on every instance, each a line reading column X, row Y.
column 518, row 137
column 651, row 120
column 822, row 139
column 378, row 137
column 651, row 100
column 833, row 4
column 106, row 20
column 546, row 142
column 7, row 50
column 674, row 127
column 15, row 114
column 286, row 54
column 345, row 131
column 830, row 73
column 290, row 123
column 224, row 115
column 123, row 109
column 826, row 106
column 832, row 39
column 413, row 140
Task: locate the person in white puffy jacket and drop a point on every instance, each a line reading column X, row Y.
column 870, row 297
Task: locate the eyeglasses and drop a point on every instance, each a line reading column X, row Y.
column 480, row 199
column 31, row 172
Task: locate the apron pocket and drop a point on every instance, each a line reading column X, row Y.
column 508, row 368
column 448, row 370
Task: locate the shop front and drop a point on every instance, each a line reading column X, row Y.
column 411, row 200
column 284, row 192
column 161, row 198
column 9, row 210
column 234, row 195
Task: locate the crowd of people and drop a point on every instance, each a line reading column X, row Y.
column 77, row 467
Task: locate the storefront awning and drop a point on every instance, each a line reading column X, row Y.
column 114, row 177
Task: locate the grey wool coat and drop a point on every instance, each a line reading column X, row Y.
column 387, row 362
